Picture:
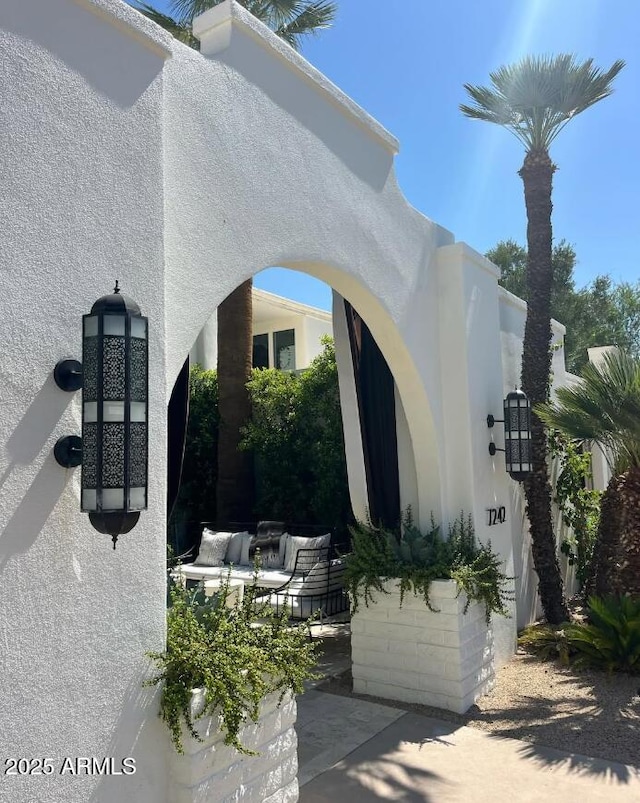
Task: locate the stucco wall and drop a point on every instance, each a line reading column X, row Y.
column 81, row 202
column 182, row 177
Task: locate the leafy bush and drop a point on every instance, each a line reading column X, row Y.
column 416, row 559
column 221, row 650
column 609, row 640
column 296, row 436
column 579, row 506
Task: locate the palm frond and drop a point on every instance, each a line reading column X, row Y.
column 179, row 30
column 309, row 19
column 604, row 406
column 536, row 97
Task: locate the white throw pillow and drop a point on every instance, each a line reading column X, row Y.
column 234, row 548
column 245, row 559
column 308, row 559
column 213, row 548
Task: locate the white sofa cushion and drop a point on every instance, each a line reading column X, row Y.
column 234, row 548
column 308, row 559
column 213, row 548
column 269, row 578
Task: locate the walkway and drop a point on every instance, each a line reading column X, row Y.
column 355, row 751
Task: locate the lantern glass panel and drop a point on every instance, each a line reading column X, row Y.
column 137, row 498
column 91, row 326
column 138, row 412
column 90, row 412
column 114, row 325
column 113, row 411
column 113, row 498
column 139, row 328
column 89, row 501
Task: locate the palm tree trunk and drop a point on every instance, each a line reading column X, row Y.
column 537, row 174
column 235, row 487
column 616, row 556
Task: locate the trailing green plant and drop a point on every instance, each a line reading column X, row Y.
column 235, row 661
column 579, row 506
column 609, row 640
column 415, row 559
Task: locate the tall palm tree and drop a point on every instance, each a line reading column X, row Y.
column 605, row 408
column 535, row 99
column 291, row 20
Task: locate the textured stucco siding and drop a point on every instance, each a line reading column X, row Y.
column 81, row 203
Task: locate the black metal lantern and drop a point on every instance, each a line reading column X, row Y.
column 114, row 414
column 517, row 435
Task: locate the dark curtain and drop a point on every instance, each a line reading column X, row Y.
column 377, row 409
column 178, row 416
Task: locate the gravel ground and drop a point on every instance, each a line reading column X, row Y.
column 589, row 713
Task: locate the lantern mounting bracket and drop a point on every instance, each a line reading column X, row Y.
column 68, row 451
column 493, row 449
column 68, row 375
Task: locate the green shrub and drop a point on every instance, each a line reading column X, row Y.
column 548, row 642
column 416, row 559
column 236, row 661
column 579, row 506
column 295, row 434
column 610, row 639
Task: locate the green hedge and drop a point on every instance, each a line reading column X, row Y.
column 296, row 437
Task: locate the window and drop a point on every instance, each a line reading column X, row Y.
column 284, row 350
column 261, row 351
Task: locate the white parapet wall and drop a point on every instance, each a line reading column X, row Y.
column 412, row 654
column 210, row 770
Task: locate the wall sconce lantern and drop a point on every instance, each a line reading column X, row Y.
column 114, row 447
column 517, row 435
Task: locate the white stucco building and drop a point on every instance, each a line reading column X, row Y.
column 286, row 334
column 127, row 155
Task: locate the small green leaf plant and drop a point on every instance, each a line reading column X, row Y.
column 579, row 505
column 415, row 559
column 238, row 655
column 609, row 640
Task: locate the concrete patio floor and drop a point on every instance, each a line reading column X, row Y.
column 352, row 751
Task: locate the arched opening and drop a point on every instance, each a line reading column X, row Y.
column 286, row 337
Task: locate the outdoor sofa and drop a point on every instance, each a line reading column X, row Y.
column 300, row 571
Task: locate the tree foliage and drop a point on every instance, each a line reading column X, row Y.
column 600, row 314
column 291, row 20
column 296, row 436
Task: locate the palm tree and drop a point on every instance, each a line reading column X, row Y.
column 291, row 20
column 535, row 99
column 605, row 408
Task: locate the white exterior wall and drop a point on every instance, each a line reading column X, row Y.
column 82, row 203
column 513, row 311
column 129, row 155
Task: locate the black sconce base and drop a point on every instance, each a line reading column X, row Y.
column 114, row 524
column 68, row 451
column 68, row 375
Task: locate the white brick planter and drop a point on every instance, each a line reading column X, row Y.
column 412, row 654
column 212, row 772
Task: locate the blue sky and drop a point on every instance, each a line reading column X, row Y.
column 406, row 63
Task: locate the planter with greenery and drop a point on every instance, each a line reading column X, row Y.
column 421, row 613
column 229, row 678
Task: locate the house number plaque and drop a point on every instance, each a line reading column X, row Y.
column 496, row 515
